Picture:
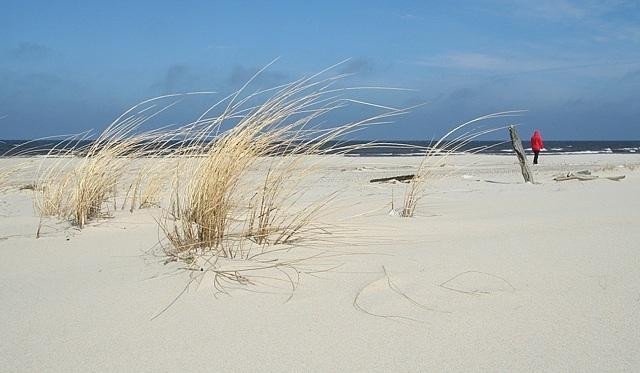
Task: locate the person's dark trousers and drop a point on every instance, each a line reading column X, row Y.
column 535, row 157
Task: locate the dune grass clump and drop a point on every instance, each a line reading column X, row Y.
column 436, row 155
column 79, row 183
column 78, row 194
column 237, row 193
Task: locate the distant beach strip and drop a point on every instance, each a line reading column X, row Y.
column 385, row 148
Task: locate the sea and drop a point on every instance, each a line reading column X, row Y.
column 388, row 148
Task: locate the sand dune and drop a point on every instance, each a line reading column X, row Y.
column 489, row 276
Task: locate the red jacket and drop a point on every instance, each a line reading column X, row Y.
column 536, row 141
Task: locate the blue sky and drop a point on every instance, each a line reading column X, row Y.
column 66, row 66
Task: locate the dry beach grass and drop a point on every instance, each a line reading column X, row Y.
column 82, row 182
column 235, row 178
column 221, row 212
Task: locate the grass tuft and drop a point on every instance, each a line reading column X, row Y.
column 239, row 193
column 436, row 155
column 80, row 183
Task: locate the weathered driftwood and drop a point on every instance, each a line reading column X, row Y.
column 522, row 157
column 401, row 178
column 585, row 177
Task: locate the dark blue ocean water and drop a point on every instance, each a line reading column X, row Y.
column 495, row 147
column 378, row 148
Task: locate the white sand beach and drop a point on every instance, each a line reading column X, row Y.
column 491, row 275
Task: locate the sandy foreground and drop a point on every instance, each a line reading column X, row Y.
column 493, row 275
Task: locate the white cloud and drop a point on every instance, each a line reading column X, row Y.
column 496, row 64
column 481, row 62
column 408, row 16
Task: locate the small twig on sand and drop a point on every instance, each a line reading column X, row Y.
column 475, row 292
column 174, row 300
column 358, row 307
column 396, row 290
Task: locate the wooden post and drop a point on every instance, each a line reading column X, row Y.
column 522, row 157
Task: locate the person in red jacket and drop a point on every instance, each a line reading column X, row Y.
column 536, row 145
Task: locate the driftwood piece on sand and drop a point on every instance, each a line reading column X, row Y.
column 401, row 178
column 585, row 177
column 522, row 157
